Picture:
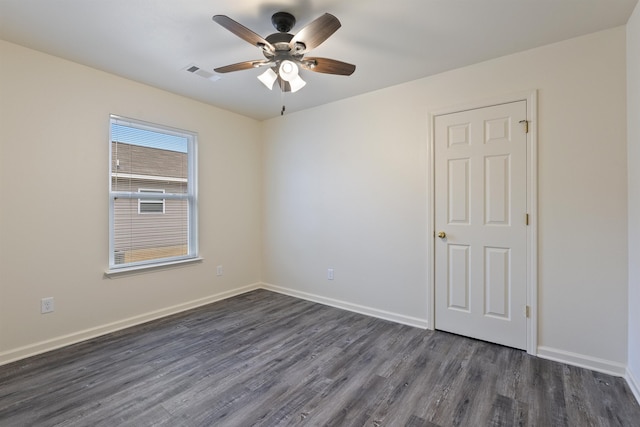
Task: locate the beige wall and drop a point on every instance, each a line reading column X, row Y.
column 633, row 137
column 54, row 162
column 345, row 187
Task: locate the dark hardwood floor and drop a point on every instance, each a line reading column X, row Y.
column 267, row 359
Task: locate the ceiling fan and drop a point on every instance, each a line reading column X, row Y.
column 284, row 53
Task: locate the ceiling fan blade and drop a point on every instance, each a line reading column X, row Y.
column 243, row 32
column 328, row 66
column 241, row 66
column 313, row 34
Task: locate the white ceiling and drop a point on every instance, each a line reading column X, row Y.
column 390, row 42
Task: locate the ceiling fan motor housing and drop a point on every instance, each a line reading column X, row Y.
column 283, row 21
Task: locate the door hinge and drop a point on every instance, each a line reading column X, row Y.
column 527, row 311
column 526, row 219
column 526, row 125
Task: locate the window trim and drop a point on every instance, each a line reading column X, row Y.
column 191, row 196
column 157, row 266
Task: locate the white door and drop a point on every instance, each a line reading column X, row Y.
column 480, row 223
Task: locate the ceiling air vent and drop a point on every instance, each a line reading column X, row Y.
column 194, row 69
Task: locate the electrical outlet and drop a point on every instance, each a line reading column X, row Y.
column 46, row 305
column 219, row 271
column 330, row 274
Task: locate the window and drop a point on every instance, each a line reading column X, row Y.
column 150, row 206
column 152, row 195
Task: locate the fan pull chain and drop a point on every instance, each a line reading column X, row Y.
column 282, row 100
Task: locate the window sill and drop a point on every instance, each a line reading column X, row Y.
column 149, row 267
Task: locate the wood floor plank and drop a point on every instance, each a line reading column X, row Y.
column 265, row 359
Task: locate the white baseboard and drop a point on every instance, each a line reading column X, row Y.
column 73, row 338
column 582, row 361
column 373, row 312
column 634, row 384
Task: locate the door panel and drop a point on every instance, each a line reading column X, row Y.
column 459, row 191
column 497, row 197
column 458, row 284
column 497, row 283
column 480, row 204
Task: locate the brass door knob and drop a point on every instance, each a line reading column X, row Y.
column 442, row 234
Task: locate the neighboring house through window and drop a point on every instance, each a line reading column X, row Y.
column 150, row 206
column 152, row 194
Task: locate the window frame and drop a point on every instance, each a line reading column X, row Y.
column 190, row 196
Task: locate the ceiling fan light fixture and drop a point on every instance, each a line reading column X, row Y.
column 288, row 70
column 268, row 78
column 296, row 84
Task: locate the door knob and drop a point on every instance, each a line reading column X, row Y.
column 442, row 234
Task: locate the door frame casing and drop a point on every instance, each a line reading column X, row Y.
column 532, row 207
